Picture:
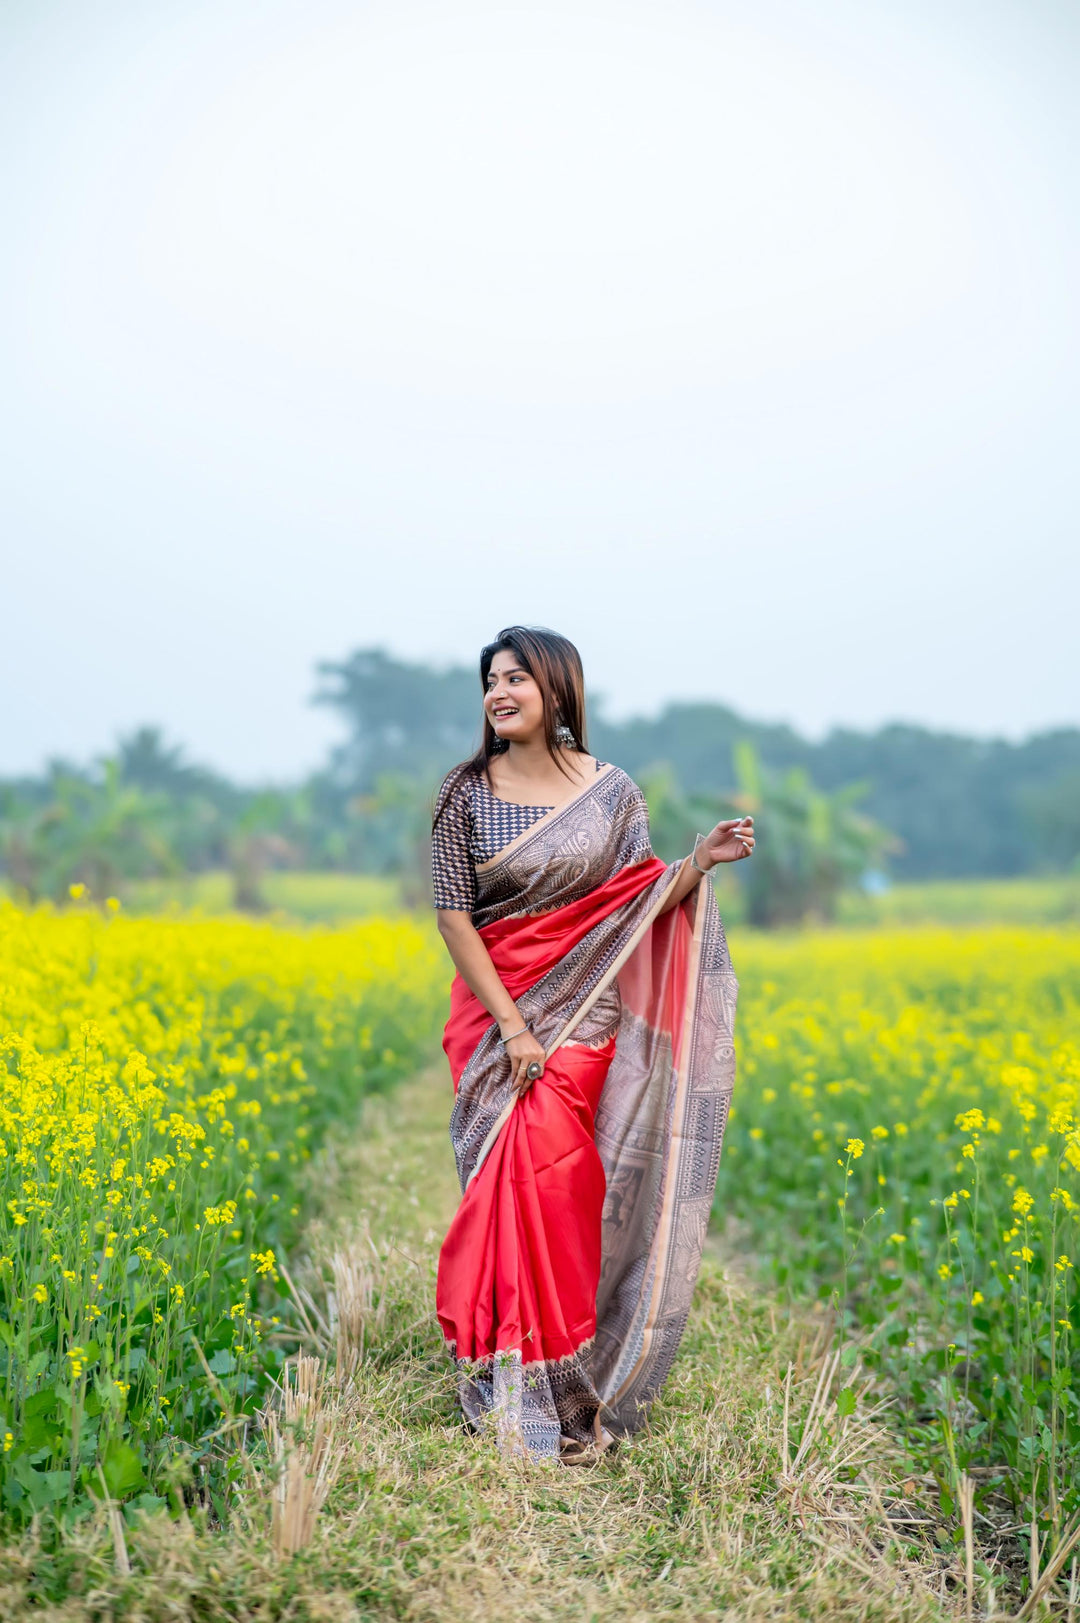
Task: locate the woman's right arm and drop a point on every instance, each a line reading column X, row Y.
column 473, row 963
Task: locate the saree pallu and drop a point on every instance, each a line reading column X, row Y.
column 565, row 1279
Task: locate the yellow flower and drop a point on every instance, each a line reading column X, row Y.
column 854, row 1148
column 879, row 1132
column 897, row 1239
column 977, row 1297
column 41, row 1295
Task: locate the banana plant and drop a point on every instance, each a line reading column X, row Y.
column 811, row 843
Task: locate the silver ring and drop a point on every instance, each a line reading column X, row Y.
column 534, row 1070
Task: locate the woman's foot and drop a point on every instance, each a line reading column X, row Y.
column 574, row 1452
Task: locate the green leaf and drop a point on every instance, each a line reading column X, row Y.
column 122, row 1469
column 42, row 1487
column 845, row 1401
column 848, row 1354
column 148, row 1503
column 39, row 1403
column 223, row 1362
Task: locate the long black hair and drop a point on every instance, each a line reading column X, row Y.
column 555, row 666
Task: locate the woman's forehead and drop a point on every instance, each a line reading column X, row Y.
column 506, row 661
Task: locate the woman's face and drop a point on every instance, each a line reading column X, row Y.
column 513, row 701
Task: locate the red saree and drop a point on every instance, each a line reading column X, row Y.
column 565, row 1279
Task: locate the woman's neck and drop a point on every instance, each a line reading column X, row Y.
column 531, row 761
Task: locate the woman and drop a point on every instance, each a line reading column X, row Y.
column 590, row 1041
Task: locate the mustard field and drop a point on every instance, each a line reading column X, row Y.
column 904, row 1147
column 906, row 1144
column 162, row 1087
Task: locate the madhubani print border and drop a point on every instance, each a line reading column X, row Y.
column 532, row 1407
column 599, row 832
column 702, row 1094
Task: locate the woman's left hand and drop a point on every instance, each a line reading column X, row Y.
column 728, row 842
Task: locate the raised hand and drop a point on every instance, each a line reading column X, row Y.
column 728, row 842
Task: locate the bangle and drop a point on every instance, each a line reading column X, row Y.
column 694, row 863
column 513, row 1034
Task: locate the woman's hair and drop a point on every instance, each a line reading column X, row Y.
column 555, row 666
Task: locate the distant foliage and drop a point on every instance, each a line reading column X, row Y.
column 955, row 806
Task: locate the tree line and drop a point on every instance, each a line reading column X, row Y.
column 917, row 803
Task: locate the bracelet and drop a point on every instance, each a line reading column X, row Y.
column 694, row 863
column 513, row 1034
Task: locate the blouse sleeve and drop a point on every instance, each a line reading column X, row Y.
column 452, row 873
column 633, row 823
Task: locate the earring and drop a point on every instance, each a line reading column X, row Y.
column 565, row 737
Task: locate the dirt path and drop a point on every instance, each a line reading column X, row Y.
column 696, row 1518
column 706, row 1514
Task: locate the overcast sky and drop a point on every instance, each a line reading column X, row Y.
column 737, row 342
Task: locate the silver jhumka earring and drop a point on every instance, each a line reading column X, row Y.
column 565, row 737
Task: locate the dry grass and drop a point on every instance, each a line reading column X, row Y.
column 747, row 1497
column 306, row 1452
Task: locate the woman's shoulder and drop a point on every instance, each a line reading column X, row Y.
column 457, row 789
column 618, row 780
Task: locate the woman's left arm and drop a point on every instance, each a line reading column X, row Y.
column 728, row 842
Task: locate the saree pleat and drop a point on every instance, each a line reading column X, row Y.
column 566, row 1276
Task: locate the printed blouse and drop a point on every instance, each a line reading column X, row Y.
column 472, row 826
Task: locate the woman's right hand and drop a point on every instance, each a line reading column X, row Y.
column 524, row 1050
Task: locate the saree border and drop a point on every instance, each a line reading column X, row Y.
column 544, row 822
column 660, row 1250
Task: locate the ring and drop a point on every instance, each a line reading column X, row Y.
column 534, row 1070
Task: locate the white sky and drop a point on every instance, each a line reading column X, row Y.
column 737, row 342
